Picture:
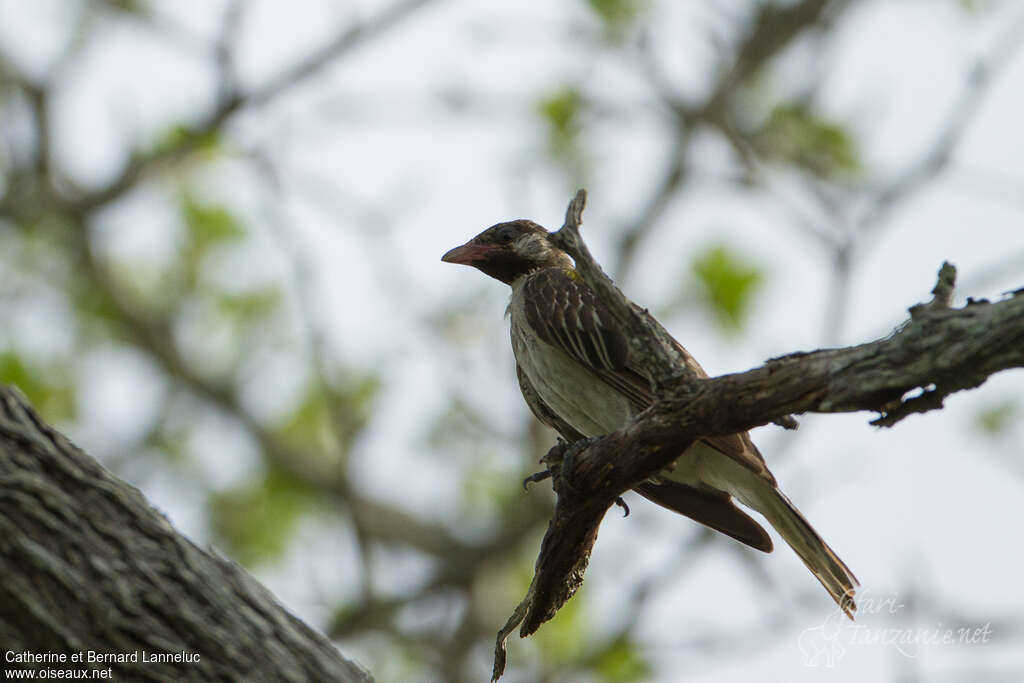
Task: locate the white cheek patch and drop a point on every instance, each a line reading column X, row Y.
column 530, row 246
column 522, row 246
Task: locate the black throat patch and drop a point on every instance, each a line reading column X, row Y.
column 505, row 266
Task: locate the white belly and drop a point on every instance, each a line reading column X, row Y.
column 568, row 388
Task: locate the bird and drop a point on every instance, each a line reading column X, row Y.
column 576, row 375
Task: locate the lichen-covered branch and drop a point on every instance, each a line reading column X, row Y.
column 938, row 351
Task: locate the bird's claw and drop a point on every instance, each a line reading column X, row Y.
column 560, row 460
column 535, row 477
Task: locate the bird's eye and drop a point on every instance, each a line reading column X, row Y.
column 506, row 236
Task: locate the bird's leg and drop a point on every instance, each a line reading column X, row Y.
column 551, row 458
column 560, row 460
column 569, row 460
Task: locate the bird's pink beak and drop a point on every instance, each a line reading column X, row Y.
column 468, row 254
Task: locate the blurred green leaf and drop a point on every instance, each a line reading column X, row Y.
column 308, row 421
column 250, row 306
column 207, row 225
column 563, row 640
column 331, row 417
column 172, row 442
column 135, row 7
column 561, row 111
column 352, row 401
column 796, row 134
column 729, row 284
column 617, row 15
column 210, row 223
column 622, row 662
column 45, row 389
column 96, row 314
column 255, row 521
column 487, row 488
column 973, row 6
column 996, row 419
column 179, row 137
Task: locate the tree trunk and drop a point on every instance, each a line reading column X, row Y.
column 89, row 568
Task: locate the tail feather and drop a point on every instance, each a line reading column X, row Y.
column 714, row 510
column 823, row 562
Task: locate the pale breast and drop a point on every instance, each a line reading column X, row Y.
column 567, row 387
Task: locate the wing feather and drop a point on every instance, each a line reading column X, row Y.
column 565, row 313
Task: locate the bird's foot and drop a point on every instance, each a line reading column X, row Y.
column 569, row 451
column 535, row 477
column 560, row 461
column 551, row 460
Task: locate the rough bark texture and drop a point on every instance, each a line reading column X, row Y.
column 939, row 351
column 87, row 565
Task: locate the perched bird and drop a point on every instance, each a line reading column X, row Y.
column 577, row 377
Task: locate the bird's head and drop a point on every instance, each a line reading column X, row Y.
column 509, row 250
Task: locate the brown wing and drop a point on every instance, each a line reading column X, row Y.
column 565, row 313
column 710, row 508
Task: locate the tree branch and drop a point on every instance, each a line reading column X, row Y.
column 772, row 29
column 230, row 103
column 938, row 351
column 963, row 112
column 89, row 565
